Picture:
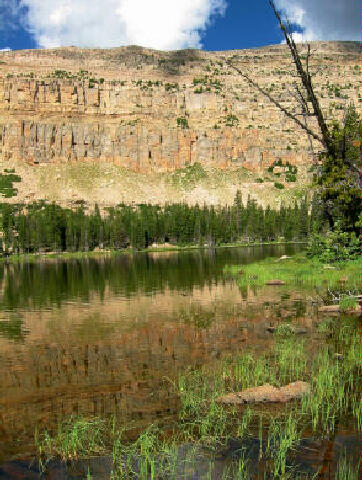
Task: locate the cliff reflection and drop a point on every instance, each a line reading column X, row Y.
column 99, row 339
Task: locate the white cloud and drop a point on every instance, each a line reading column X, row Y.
column 161, row 24
column 5, row 49
column 323, row 19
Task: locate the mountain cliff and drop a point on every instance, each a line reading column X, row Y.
column 133, row 124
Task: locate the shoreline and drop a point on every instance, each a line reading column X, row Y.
column 34, row 257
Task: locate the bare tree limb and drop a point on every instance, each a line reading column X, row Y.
column 277, row 104
column 306, row 81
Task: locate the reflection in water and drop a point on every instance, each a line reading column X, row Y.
column 200, row 464
column 50, row 283
column 105, row 336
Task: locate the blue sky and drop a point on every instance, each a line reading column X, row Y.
column 171, row 24
column 244, row 25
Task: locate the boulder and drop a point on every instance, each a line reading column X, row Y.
column 266, row 394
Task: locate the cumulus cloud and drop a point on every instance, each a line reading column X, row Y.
column 5, row 49
column 323, row 19
column 160, row 24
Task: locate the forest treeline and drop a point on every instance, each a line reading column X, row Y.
column 41, row 226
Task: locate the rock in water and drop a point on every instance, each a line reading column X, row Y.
column 275, row 282
column 266, row 394
column 328, row 309
column 337, row 308
column 295, row 390
column 284, row 257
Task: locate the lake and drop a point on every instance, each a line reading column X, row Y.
column 108, row 336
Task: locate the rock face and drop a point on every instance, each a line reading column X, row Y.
column 159, row 111
column 267, row 393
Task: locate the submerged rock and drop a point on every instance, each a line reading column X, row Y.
column 284, row 257
column 337, row 308
column 267, row 394
column 329, row 309
column 275, row 282
column 287, row 329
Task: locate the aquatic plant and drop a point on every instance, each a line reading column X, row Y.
column 75, row 437
column 346, row 470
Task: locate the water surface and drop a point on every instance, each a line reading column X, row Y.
column 106, row 336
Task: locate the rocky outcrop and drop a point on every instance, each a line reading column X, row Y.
column 160, row 111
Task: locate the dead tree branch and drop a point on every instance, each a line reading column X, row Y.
column 306, row 80
column 277, row 104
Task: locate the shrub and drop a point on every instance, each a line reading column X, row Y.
column 290, row 177
column 182, row 122
column 198, row 90
column 280, row 186
column 334, row 246
column 231, row 120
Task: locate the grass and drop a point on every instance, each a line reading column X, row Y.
column 347, row 303
column 298, row 271
column 75, row 437
column 345, row 470
column 334, row 385
column 335, row 389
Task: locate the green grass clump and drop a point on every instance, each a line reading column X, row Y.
column 75, row 437
column 297, row 271
column 347, row 303
column 345, row 470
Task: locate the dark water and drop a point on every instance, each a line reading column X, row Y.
column 100, row 336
